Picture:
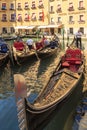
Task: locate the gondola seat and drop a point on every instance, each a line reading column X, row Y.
column 65, row 64
column 19, row 46
column 73, row 56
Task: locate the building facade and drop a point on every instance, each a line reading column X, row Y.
column 23, row 13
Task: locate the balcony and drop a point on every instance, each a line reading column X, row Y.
column 81, row 8
column 4, row 20
column 12, row 20
column 41, row 6
column 51, row 0
column 26, row 19
column 33, row 19
column 51, row 12
column 40, row 19
column 3, row 8
column 20, row 20
column 59, row 22
column 11, row 8
column 33, row 7
column 19, row 8
column 71, row 22
column 71, row 9
column 26, row 8
column 59, row 10
column 81, row 21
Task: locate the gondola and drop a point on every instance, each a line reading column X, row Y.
column 35, row 109
column 21, row 53
column 48, row 50
column 4, row 52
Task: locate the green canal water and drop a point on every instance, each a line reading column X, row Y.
column 36, row 74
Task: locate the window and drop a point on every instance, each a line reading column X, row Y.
column 3, row 6
column 19, row 17
column 26, row 5
column 52, row 20
column 27, row 18
column 12, row 17
column 33, row 17
column 59, row 20
column 81, row 18
column 51, row 9
column 4, row 30
column 81, row 5
column 71, row 30
column 33, row 5
column 19, row 5
column 82, row 30
column 71, row 6
column 70, row 18
column 40, row 3
column 11, row 6
column 58, row 8
column 4, row 17
column 59, row 30
column 12, row 30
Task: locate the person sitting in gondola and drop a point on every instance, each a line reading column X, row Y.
column 30, row 44
column 53, row 43
column 3, row 48
column 19, row 45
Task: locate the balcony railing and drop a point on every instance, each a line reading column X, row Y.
column 4, row 20
column 51, row 0
column 81, row 8
column 26, row 8
column 12, row 20
column 33, row 7
column 12, row 8
column 51, row 12
column 3, row 8
column 19, row 8
column 81, row 21
column 71, row 9
column 41, row 6
column 71, row 22
column 59, row 10
column 26, row 19
column 33, row 19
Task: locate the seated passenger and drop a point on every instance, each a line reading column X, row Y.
column 19, row 45
column 3, row 48
column 46, row 42
column 30, row 44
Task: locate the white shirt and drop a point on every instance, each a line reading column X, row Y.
column 78, row 35
column 29, row 42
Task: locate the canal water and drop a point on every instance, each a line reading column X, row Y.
column 36, row 74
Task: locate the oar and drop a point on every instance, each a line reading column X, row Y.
column 15, row 56
column 37, row 55
column 34, row 45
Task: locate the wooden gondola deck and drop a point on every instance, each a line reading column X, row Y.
column 52, row 94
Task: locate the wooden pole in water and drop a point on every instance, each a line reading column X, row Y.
column 21, row 94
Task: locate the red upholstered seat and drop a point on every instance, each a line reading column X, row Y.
column 19, row 45
column 66, row 64
column 73, row 55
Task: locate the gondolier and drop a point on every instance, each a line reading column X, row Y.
column 78, row 39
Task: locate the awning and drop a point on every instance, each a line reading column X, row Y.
column 30, row 27
column 24, row 27
column 20, row 27
column 50, row 26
